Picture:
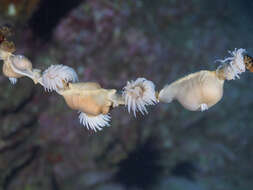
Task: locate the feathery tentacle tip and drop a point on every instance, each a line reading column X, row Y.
column 13, row 80
column 234, row 65
column 54, row 77
column 203, row 107
column 138, row 94
column 95, row 123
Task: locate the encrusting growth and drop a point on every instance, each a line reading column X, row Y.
column 196, row 92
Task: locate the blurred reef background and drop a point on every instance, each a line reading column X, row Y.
column 42, row 144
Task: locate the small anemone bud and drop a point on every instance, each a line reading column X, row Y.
column 21, row 63
column 4, row 55
column 234, row 65
column 138, row 94
column 56, row 76
column 7, row 46
column 94, row 122
column 16, row 66
column 9, row 72
column 195, row 92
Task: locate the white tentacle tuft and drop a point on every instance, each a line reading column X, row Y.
column 13, row 80
column 234, row 65
column 55, row 75
column 94, row 122
column 138, row 94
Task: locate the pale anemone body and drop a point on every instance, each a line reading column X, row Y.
column 233, row 66
column 9, row 72
column 197, row 91
column 17, row 66
column 138, row 94
column 56, row 76
column 92, row 101
column 88, row 97
column 4, row 55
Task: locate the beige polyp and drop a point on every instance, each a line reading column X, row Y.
column 16, row 66
column 4, row 55
column 89, row 98
column 8, row 71
column 21, row 63
column 194, row 90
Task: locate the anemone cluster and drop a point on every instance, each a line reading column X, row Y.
column 196, row 92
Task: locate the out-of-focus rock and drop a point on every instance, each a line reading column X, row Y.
column 174, row 183
column 18, row 10
column 111, row 187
